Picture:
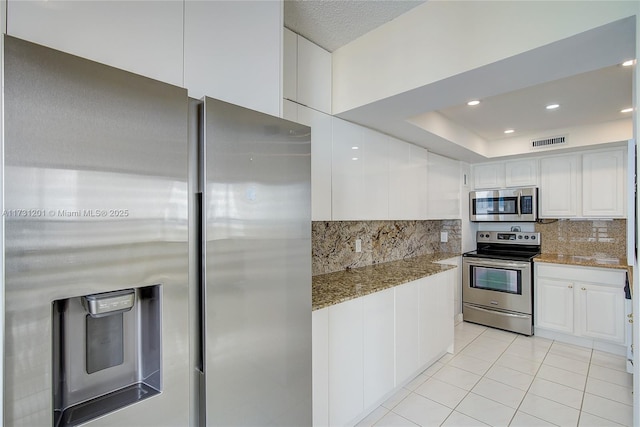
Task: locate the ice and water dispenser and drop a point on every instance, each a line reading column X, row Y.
column 106, row 352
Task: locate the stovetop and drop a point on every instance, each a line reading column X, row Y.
column 512, row 245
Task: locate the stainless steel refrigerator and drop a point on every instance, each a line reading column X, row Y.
column 157, row 252
column 256, row 265
column 96, row 244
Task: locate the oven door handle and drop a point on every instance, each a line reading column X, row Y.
column 484, row 262
column 502, row 313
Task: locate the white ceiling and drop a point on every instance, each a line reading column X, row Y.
column 581, row 73
column 333, row 23
column 587, row 98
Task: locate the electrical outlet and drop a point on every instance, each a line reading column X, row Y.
column 444, row 236
column 358, row 245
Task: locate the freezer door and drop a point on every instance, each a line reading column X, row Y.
column 257, row 257
column 95, row 181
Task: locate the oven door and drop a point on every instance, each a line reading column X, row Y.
column 497, row 284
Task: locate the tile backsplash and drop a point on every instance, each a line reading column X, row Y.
column 333, row 242
column 605, row 238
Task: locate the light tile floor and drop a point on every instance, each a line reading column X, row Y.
column 498, row 378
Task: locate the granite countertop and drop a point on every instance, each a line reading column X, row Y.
column 584, row 261
column 333, row 288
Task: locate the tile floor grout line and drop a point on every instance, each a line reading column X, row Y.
column 529, row 388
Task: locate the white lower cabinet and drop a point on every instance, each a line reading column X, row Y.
column 365, row 348
column 554, row 304
column 320, row 366
column 584, row 302
column 346, row 373
column 407, row 330
column 378, row 348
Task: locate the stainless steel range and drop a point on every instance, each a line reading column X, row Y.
column 497, row 280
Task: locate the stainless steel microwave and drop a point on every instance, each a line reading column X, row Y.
column 509, row 204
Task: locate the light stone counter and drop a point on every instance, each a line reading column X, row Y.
column 584, row 261
column 334, row 288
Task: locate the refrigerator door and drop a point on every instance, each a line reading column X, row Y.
column 95, row 180
column 257, row 257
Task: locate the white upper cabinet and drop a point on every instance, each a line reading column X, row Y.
column 290, row 65
column 360, row 173
column 407, row 180
column 510, row 173
column 375, row 174
column 521, row 173
column 321, row 137
column 314, row 76
column 347, row 174
column 144, row 37
column 488, row 176
column 587, row 185
column 443, row 188
column 559, row 186
column 232, row 51
column 306, row 72
column 603, row 184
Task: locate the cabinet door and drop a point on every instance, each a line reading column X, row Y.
column 320, row 363
column 488, row 176
column 290, row 65
column 436, row 308
column 407, row 180
column 554, row 304
column 407, row 331
column 314, row 75
column 443, row 188
column 232, row 52
column 559, row 186
column 603, row 184
column 321, row 141
column 521, row 173
column 601, row 312
column 144, row 37
column 345, row 362
column 347, row 186
column 375, row 169
column 290, row 112
column 378, row 342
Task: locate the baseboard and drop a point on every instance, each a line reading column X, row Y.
column 618, row 349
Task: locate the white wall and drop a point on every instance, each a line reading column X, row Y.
column 440, row 39
column 584, row 136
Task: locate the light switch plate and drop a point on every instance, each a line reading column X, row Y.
column 444, row 236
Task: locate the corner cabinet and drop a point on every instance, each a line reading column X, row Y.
column 584, row 302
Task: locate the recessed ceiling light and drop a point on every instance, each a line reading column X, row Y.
column 552, row 106
column 628, row 63
column 354, row 158
column 354, row 147
column 509, row 131
column 626, row 110
column 474, row 102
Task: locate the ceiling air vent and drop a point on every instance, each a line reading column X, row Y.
column 548, row 142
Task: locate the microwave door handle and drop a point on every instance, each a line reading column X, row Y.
column 518, row 208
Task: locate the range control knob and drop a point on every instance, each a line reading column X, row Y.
column 533, row 237
column 526, row 237
column 519, row 237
